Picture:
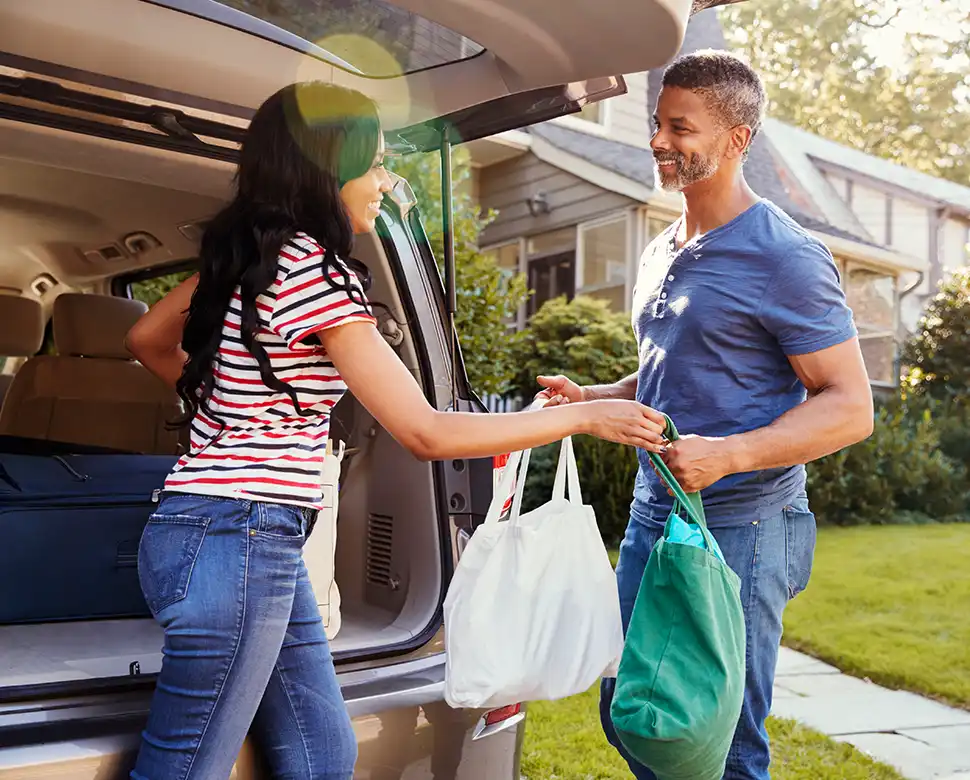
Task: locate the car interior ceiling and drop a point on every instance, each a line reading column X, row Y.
column 67, row 204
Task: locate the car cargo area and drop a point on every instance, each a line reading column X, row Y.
column 78, row 213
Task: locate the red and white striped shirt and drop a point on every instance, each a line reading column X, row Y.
column 268, row 451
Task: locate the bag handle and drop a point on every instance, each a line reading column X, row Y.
column 567, row 471
column 511, row 468
column 691, row 502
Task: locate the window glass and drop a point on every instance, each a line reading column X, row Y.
column 376, row 38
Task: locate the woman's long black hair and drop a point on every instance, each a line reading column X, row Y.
column 303, row 144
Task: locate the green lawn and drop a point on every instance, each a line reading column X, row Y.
column 891, row 603
column 564, row 741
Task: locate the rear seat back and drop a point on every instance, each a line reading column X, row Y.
column 92, row 391
column 21, row 332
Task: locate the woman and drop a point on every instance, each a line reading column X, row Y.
column 260, row 346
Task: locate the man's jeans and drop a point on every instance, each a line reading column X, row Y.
column 244, row 645
column 773, row 558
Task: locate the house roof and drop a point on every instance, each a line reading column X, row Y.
column 762, row 169
column 815, row 147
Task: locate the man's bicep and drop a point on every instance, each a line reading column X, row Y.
column 804, row 305
column 837, row 366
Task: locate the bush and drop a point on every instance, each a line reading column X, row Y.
column 488, row 297
column 582, row 339
column 899, row 474
column 938, row 355
column 586, row 341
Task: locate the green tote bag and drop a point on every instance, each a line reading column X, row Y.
column 680, row 683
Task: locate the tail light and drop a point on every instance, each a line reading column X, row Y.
column 494, row 721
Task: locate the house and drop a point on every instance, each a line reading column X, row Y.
column 577, row 203
column 910, row 211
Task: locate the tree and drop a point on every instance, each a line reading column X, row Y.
column 488, row 297
column 938, row 354
column 150, row 291
column 821, row 76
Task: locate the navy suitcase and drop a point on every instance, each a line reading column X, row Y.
column 70, row 525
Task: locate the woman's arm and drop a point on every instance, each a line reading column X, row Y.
column 382, row 383
column 156, row 338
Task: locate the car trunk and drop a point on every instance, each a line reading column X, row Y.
column 156, row 94
column 63, row 196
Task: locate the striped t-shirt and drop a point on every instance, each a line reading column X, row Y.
column 268, row 451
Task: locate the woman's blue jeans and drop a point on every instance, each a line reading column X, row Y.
column 245, row 649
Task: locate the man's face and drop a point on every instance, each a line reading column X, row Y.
column 687, row 141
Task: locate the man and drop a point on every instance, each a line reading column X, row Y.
column 746, row 341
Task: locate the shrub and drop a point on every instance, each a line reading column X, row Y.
column 899, row 474
column 582, row 339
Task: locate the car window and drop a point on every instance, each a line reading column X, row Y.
column 378, row 39
column 150, row 291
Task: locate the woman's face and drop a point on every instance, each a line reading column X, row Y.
column 362, row 196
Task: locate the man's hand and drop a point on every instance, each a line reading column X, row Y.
column 559, row 390
column 698, row 462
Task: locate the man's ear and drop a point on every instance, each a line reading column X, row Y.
column 739, row 141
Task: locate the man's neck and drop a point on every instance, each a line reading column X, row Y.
column 710, row 204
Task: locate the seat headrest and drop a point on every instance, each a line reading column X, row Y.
column 21, row 326
column 94, row 325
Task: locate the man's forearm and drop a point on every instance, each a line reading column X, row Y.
column 625, row 389
column 826, row 423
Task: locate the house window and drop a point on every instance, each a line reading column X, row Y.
column 872, row 296
column 551, row 267
column 593, row 112
column 656, row 226
column 507, row 258
column 604, row 266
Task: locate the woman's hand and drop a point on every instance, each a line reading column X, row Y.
column 627, row 422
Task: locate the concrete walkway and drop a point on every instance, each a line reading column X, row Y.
column 923, row 739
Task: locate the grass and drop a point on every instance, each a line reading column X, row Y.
column 564, row 741
column 891, row 604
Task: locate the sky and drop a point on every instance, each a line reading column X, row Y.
column 948, row 19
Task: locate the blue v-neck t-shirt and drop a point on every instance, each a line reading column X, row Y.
column 716, row 322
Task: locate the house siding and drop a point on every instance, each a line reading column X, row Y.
column 869, row 206
column 506, row 187
column 954, row 245
column 630, row 113
column 911, row 228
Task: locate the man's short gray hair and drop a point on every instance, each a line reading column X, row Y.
column 730, row 87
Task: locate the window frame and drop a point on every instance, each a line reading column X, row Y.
column 582, row 228
column 603, row 126
column 121, row 284
column 845, row 266
column 520, row 244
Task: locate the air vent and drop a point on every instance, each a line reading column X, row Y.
column 111, row 253
column 380, row 542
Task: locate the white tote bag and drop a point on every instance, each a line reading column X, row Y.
column 532, row 612
column 320, row 549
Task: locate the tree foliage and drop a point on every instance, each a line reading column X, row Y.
column 488, row 297
column 938, row 354
column 582, row 339
column 821, row 76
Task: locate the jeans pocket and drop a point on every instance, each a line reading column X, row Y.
column 800, row 532
column 167, row 554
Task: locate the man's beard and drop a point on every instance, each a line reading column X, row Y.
column 697, row 167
